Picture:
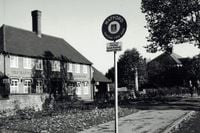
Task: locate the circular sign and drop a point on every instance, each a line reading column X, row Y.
column 114, row 27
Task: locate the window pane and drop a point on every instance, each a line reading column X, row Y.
column 86, row 88
column 14, row 86
column 85, row 69
column 27, row 63
column 69, row 67
column 13, row 61
column 55, row 65
column 77, row 68
column 78, row 88
column 39, row 86
column 39, row 65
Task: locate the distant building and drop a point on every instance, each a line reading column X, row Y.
column 33, row 64
column 167, row 69
column 168, row 59
column 101, row 84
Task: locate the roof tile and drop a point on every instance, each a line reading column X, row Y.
column 27, row 43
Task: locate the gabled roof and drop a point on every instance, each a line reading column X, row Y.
column 99, row 77
column 26, row 43
column 168, row 59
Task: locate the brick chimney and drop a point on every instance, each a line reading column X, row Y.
column 36, row 22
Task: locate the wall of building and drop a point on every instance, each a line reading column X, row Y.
column 22, row 101
column 1, row 64
column 21, row 73
column 83, row 77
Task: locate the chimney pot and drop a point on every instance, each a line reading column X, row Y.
column 36, row 22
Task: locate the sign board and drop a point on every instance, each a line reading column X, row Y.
column 114, row 46
column 7, row 80
column 114, row 27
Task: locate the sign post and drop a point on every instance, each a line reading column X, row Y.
column 116, row 93
column 113, row 28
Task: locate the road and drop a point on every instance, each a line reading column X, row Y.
column 155, row 117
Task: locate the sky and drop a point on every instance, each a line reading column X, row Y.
column 79, row 23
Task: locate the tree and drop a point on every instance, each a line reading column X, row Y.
column 194, row 67
column 127, row 64
column 111, row 74
column 155, row 72
column 171, row 22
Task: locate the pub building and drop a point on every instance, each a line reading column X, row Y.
column 32, row 63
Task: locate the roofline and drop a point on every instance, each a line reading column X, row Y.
column 163, row 54
column 108, row 80
column 5, row 25
column 5, row 50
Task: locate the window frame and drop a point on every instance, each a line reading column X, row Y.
column 86, row 88
column 39, row 87
column 29, row 86
column 14, row 63
column 54, row 67
column 39, row 61
column 27, row 63
column 14, row 87
column 78, row 88
column 69, row 67
column 77, row 68
column 85, row 69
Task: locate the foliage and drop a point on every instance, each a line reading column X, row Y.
column 111, row 74
column 155, row 73
column 165, row 75
column 171, row 22
column 195, row 67
column 128, row 62
column 69, row 121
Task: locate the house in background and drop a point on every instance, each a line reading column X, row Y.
column 101, row 85
column 35, row 64
column 167, row 69
column 168, row 58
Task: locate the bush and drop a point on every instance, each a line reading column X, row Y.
column 27, row 113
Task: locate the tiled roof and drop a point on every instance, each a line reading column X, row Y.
column 99, row 77
column 26, row 43
column 168, row 59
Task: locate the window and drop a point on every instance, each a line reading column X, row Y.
column 27, row 63
column 38, row 65
column 27, row 86
column 77, row 68
column 85, row 69
column 78, row 88
column 85, row 88
column 14, row 86
column 55, row 66
column 69, row 67
column 39, row 86
column 13, row 61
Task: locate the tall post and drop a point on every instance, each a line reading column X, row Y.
column 136, row 79
column 113, row 28
column 116, row 93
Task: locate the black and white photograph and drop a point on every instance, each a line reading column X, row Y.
column 99, row 66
